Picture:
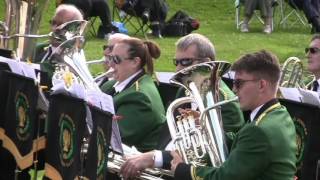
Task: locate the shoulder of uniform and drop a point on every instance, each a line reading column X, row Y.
column 270, row 109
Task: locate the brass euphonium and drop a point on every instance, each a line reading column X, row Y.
column 22, row 24
column 293, row 74
column 69, row 54
column 192, row 140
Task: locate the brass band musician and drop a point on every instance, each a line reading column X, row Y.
column 190, row 50
column 264, row 148
column 64, row 13
column 137, row 101
column 313, row 55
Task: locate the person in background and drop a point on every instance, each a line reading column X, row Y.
column 313, row 55
column 153, row 11
column 265, row 7
column 266, row 147
column 311, row 9
column 190, row 50
column 94, row 8
column 136, row 99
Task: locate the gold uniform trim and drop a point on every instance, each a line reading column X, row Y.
column 22, row 161
column 1, row 133
column 260, row 118
column 194, row 174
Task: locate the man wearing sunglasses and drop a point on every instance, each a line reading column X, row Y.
column 190, row 50
column 313, row 55
column 265, row 147
column 64, row 13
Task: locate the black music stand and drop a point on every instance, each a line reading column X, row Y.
column 307, row 121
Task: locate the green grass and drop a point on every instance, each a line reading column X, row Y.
column 217, row 23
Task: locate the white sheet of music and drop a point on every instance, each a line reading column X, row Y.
column 291, row 93
column 310, row 97
column 19, row 67
column 301, row 95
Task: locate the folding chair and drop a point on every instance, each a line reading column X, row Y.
column 128, row 18
column 93, row 31
column 239, row 3
column 294, row 12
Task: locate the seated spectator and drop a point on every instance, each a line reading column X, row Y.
column 93, row 8
column 154, row 11
column 311, row 9
column 265, row 7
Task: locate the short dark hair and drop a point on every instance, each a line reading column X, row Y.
column 315, row 36
column 262, row 64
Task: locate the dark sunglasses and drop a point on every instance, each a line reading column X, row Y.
column 237, row 83
column 109, row 47
column 115, row 59
column 312, row 50
column 185, row 61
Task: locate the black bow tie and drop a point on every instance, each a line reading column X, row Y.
column 315, row 85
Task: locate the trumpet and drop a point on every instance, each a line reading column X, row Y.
column 194, row 141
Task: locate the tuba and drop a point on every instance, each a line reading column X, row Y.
column 22, row 23
column 194, row 140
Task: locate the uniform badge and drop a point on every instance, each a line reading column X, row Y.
column 23, row 126
column 66, row 140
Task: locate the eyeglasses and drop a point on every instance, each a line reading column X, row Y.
column 109, row 47
column 312, row 50
column 115, row 59
column 237, row 83
column 185, row 61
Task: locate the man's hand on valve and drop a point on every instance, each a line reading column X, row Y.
column 175, row 161
column 137, row 163
column 188, row 111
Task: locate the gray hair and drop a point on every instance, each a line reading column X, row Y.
column 204, row 46
column 118, row 37
column 72, row 10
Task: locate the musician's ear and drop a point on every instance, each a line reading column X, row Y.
column 263, row 84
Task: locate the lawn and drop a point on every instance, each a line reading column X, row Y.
column 217, row 23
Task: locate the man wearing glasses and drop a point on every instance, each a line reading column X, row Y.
column 313, row 55
column 64, row 13
column 264, row 148
column 190, row 50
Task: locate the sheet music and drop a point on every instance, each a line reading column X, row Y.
column 115, row 141
column 291, row 93
column 100, row 100
column 310, row 97
column 21, row 68
column 300, row 95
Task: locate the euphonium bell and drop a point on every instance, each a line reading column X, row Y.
column 291, row 73
column 195, row 140
column 22, row 22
